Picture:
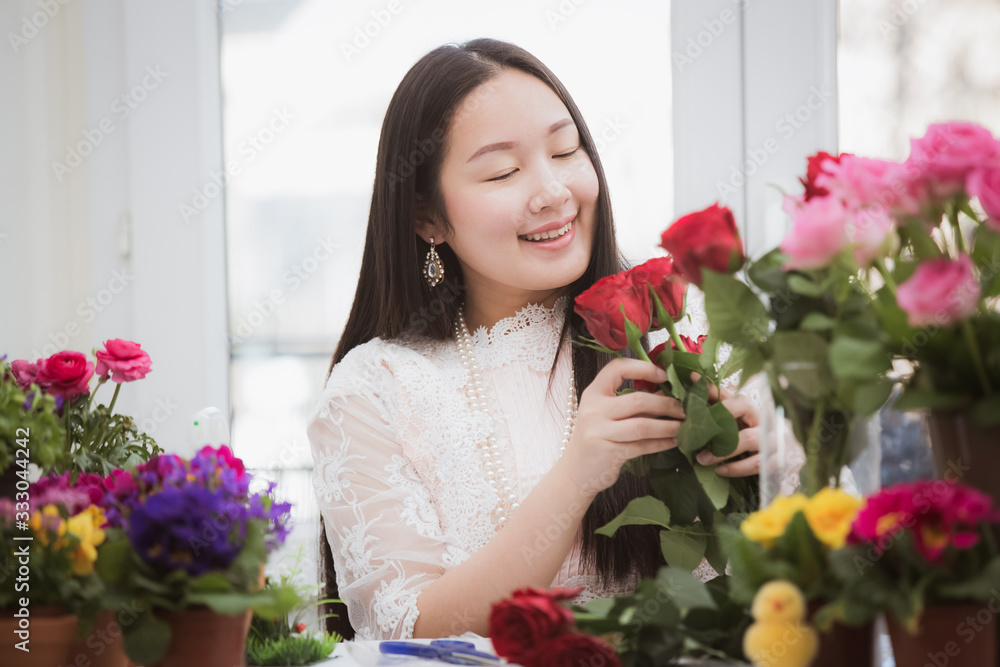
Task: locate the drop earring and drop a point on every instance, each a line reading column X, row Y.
column 433, row 266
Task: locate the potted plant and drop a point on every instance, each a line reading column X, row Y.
column 187, row 544
column 925, row 554
column 286, row 640
column 50, row 541
column 793, row 539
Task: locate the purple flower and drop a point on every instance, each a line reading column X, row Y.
column 188, row 528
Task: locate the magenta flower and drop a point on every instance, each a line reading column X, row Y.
column 949, row 152
column 819, row 232
column 65, row 374
column 124, row 360
column 25, row 373
column 940, row 292
column 983, row 184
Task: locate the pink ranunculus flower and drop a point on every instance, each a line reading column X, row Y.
column 870, row 231
column 940, row 292
column 65, row 374
column 819, row 232
column 983, row 184
column 949, row 151
column 24, row 372
column 124, row 360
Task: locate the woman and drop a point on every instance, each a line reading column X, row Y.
column 453, row 461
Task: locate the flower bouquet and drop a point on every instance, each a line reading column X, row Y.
column 50, row 538
column 925, row 553
column 187, row 542
column 95, row 439
column 619, row 311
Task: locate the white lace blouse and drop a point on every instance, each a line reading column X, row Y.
column 398, row 476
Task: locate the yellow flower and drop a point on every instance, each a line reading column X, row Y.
column 768, row 524
column 830, row 514
column 86, row 527
column 46, row 521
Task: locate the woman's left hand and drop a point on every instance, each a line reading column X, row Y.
column 748, row 416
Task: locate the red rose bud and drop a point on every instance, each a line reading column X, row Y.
column 573, row 649
column 600, row 308
column 667, row 284
column 814, row 169
column 65, row 374
column 707, row 239
column 300, row 628
column 529, row 618
column 693, row 346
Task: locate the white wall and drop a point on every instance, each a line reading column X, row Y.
column 107, row 229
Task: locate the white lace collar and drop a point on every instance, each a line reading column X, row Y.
column 531, row 335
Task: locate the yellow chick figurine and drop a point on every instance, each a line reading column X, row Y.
column 780, row 637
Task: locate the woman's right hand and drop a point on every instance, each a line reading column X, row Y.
column 611, row 429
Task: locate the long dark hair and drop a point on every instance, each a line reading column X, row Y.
column 392, row 297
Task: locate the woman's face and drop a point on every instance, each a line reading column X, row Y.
column 514, row 168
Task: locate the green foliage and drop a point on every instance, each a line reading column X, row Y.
column 35, row 430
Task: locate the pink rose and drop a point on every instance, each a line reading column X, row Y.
column 65, row 374
column 941, row 291
column 869, row 231
column 25, row 373
column 124, row 360
column 819, row 232
column 861, row 182
column 949, row 151
column 983, row 184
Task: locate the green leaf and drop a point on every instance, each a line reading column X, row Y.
column 802, row 285
column 868, row 397
column 802, row 358
column 716, row 487
column 698, row 427
column 978, row 587
column 683, row 549
column 986, row 256
column 726, row 442
column 713, row 552
column 639, row 512
column 147, row 638
column 817, row 322
column 767, row 272
column 685, row 591
column 679, row 490
column 734, row 312
column 857, row 358
column 632, row 332
column 676, row 386
column 599, row 607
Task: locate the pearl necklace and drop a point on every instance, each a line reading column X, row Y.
column 495, row 473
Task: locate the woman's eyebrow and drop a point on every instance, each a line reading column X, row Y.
column 507, row 145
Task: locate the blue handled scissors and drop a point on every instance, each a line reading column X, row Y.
column 451, row 651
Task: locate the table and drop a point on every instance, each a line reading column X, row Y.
column 366, row 653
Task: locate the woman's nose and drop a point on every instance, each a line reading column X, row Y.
column 553, row 194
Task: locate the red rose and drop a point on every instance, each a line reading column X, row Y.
column 530, row 617
column 24, row 373
column 300, row 628
column 695, row 346
column 65, row 374
column 814, row 169
column 600, row 308
column 666, row 283
column 706, row 239
column 124, row 360
column 572, row 650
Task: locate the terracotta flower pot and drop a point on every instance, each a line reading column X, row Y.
column 953, row 634
column 200, row 636
column 53, row 633
column 853, row 646
column 104, row 647
column 966, row 453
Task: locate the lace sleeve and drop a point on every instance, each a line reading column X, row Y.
column 381, row 523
